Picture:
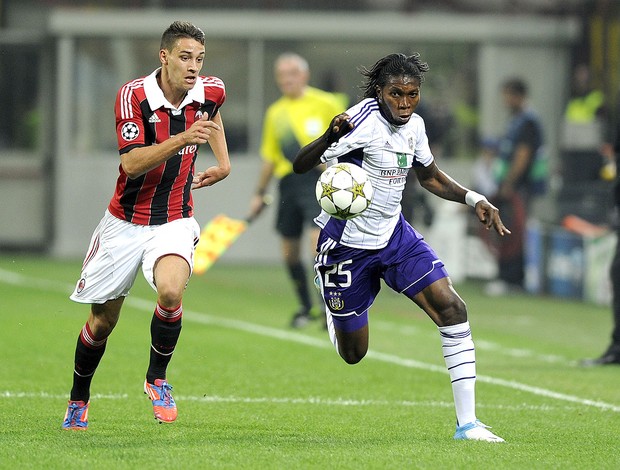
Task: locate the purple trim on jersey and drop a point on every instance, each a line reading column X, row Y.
column 334, row 228
column 363, row 114
column 355, row 156
column 350, row 278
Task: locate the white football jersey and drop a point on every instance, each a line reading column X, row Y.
column 387, row 152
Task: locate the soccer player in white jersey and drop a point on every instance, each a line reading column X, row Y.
column 384, row 136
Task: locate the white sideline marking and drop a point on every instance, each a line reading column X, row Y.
column 10, row 277
column 292, row 401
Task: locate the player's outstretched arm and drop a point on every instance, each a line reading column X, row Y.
column 310, row 155
column 443, row 185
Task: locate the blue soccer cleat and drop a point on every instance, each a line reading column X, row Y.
column 76, row 417
column 476, row 431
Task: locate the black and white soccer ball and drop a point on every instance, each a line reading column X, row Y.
column 344, row 191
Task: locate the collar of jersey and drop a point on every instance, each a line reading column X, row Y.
column 156, row 98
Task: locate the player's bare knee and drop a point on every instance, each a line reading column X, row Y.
column 456, row 312
column 453, row 312
column 169, row 297
column 352, row 355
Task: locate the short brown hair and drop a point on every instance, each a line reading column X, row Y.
column 178, row 30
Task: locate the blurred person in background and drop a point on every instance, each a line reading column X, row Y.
column 482, row 171
column 587, row 108
column 612, row 354
column 161, row 120
column 298, row 117
column 521, row 175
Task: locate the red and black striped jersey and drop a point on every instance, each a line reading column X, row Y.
column 144, row 117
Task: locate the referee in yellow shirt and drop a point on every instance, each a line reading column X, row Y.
column 297, row 118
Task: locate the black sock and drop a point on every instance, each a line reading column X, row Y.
column 297, row 272
column 88, row 353
column 165, row 332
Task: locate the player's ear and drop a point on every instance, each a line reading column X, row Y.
column 163, row 56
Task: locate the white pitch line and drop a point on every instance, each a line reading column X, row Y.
column 10, row 277
column 344, row 402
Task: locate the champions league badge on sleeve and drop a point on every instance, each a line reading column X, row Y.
column 130, row 131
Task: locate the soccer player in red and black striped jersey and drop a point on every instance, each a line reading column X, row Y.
column 161, row 122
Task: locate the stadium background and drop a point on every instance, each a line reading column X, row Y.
column 61, row 63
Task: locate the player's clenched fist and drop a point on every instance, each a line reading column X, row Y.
column 200, row 131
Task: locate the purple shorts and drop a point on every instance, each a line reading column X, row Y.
column 350, row 278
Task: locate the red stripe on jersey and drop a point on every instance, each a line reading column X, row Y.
column 94, row 248
column 164, row 193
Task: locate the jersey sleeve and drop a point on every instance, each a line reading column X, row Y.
column 130, row 131
column 270, row 148
column 215, row 95
column 422, row 153
column 360, row 137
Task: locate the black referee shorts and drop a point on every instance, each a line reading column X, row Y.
column 298, row 205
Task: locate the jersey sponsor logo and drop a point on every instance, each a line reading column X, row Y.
column 130, row 131
column 154, row 119
column 393, row 172
column 188, row 150
column 402, row 159
column 396, row 175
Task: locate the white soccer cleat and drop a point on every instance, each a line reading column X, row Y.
column 476, row 431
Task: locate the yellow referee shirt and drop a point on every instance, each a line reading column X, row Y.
column 291, row 124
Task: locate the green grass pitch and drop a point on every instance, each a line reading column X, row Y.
column 252, row 393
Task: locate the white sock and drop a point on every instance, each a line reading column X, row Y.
column 331, row 329
column 458, row 351
column 329, row 320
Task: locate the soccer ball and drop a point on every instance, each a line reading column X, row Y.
column 344, row 191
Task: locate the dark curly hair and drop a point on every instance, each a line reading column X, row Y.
column 393, row 65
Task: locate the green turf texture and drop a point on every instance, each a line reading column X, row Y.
column 252, row 393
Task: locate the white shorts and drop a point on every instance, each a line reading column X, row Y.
column 118, row 248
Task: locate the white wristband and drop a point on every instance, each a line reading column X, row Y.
column 472, row 198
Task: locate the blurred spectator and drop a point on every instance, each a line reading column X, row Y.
column 612, row 354
column 586, row 103
column 587, row 124
column 482, row 175
column 521, row 175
